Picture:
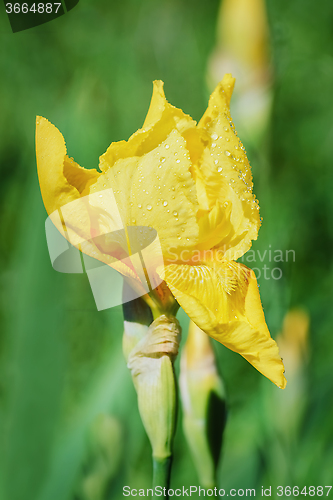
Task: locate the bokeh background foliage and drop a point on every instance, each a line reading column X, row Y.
column 70, row 428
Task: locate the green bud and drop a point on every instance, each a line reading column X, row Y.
column 151, row 365
column 203, row 400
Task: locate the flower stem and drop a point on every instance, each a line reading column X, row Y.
column 161, row 473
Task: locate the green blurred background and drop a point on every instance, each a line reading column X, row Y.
column 68, row 417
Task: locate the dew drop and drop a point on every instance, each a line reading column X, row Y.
column 165, row 203
column 219, row 169
column 133, row 221
column 227, row 153
column 214, row 145
column 177, row 161
column 139, row 206
column 216, row 162
column 214, row 136
column 149, row 207
column 162, row 159
column 226, row 129
column 175, row 213
column 166, row 146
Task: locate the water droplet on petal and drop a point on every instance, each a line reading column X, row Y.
column 214, row 136
column 177, row 161
column 149, row 207
column 139, row 206
column 165, row 203
column 175, row 213
column 219, row 169
column 166, row 146
column 227, row 153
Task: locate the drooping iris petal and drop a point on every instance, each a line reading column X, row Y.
column 222, row 298
column 62, row 181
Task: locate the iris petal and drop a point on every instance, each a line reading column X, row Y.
column 226, row 173
column 222, row 298
column 157, row 190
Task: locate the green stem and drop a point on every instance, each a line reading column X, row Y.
column 161, row 473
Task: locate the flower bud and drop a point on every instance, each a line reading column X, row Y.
column 243, row 49
column 151, row 365
column 203, row 401
column 293, row 344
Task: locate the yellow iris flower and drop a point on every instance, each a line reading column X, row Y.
column 192, row 183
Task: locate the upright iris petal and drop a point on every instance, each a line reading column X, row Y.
column 193, row 185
